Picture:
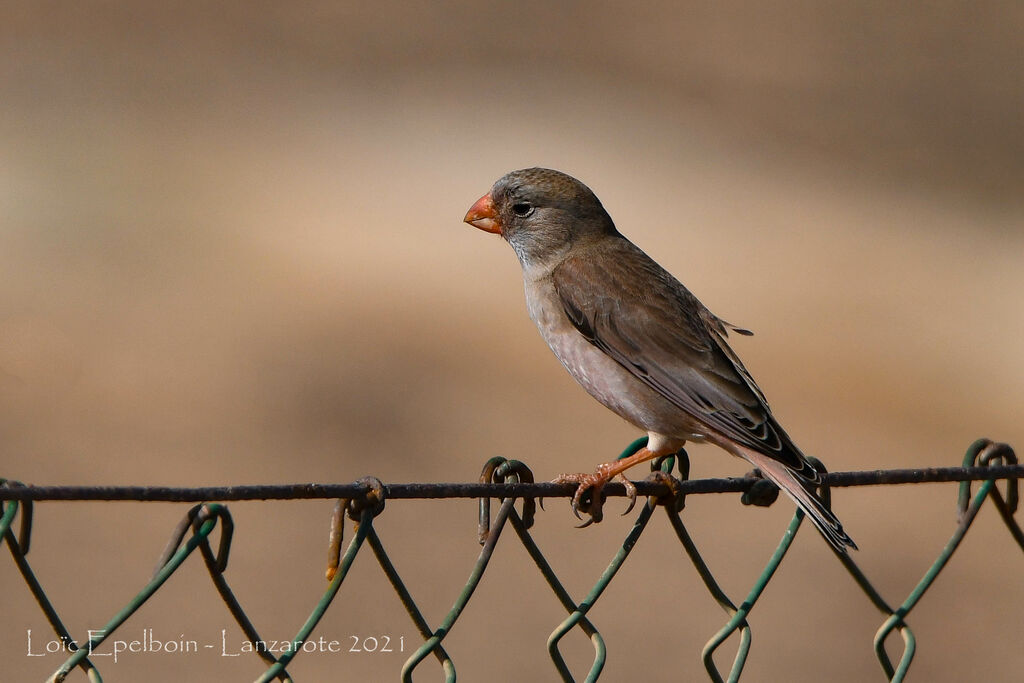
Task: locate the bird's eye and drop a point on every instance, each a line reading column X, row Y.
column 522, row 209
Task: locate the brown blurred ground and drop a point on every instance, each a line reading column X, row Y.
column 231, row 252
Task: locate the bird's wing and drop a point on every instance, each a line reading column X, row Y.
column 666, row 338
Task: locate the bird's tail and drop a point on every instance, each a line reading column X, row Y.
column 800, row 489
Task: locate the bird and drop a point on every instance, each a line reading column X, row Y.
column 638, row 341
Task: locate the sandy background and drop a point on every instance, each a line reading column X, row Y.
column 231, row 252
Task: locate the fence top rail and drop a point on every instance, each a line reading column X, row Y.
column 482, row 490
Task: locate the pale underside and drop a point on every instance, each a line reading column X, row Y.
column 668, row 428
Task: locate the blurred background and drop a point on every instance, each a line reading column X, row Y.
column 231, row 252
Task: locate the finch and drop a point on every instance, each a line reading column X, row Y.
column 637, row 340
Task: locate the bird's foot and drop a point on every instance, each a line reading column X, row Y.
column 675, row 497
column 594, row 483
column 763, row 493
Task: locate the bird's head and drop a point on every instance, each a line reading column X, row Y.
column 541, row 213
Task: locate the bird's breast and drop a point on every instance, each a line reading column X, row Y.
column 603, row 378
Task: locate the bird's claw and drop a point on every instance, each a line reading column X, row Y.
column 593, row 505
column 576, row 507
column 585, row 523
column 594, row 483
column 630, row 492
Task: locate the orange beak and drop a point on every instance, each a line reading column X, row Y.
column 483, row 215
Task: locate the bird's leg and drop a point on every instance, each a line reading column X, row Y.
column 596, row 481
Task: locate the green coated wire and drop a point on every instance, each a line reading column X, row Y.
column 365, row 522
column 17, row 548
column 447, row 665
column 968, row 515
column 158, row 580
column 717, row 593
column 595, row 593
column 467, row 592
column 987, row 451
column 10, row 511
column 926, row 582
column 214, row 566
column 909, row 641
column 739, row 618
column 579, row 612
column 600, row 650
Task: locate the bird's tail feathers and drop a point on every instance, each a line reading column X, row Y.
column 799, row 489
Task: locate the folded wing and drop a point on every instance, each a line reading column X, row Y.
column 667, row 339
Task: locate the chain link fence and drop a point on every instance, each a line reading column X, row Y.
column 511, row 482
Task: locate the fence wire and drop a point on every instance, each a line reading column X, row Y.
column 509, row 481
